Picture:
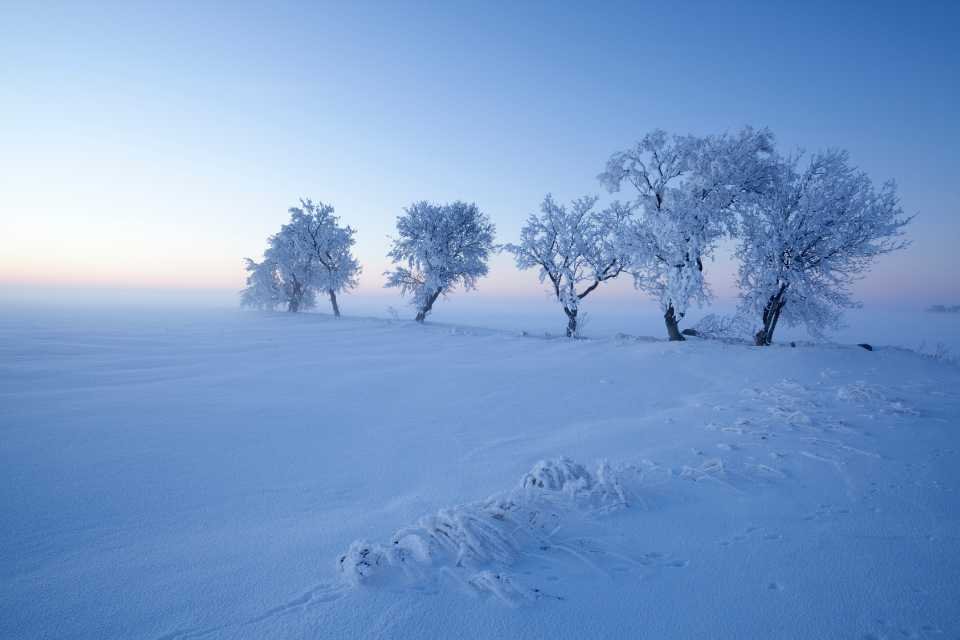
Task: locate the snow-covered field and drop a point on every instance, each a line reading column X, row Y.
column 246, row 475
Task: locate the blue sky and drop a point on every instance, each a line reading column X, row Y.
column 154, row 145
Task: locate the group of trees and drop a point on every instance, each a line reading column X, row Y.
column 805, row 229
column 438, row 247
column 688, row 189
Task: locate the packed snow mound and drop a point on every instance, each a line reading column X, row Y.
column 872, row 395
column 562, row 474
column 860, row 392
column 475, row 543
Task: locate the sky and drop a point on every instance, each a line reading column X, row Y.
column 154, row 145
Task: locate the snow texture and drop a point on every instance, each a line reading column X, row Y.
column 477, row 543
column 272, row 475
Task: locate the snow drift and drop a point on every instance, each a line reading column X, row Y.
column 477, row 543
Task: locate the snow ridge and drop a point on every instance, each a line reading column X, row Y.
column 476, row 543
column 551, row 514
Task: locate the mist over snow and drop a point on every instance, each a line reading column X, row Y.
column 901, row 324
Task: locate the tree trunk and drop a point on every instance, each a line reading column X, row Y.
column 428, row 305
column 571, row 322
column 333, row 303
column 293, row 304
column 673, row 328
column 776, row 318
column 771, row 315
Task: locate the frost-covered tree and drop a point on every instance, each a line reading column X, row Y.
column 811, row 234
column 437, row 248
column 294, row 270
column 326, row 247
column 574, row 248
column 264, row 289
column 311, row 253
column 688, row 190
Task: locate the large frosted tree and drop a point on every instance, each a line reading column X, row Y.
column 688, row 189
column 312, row 253
column 437, row 248
column 575, row 249
column 814, row 231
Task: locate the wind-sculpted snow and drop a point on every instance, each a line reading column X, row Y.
column 476, row 544
column 482, row 545
column 871, row 395
column 202, row 478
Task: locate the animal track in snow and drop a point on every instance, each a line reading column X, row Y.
column 321, row 593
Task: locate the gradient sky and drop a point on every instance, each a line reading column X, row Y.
column 155, row 144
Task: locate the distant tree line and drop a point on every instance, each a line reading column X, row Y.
column 806, row 228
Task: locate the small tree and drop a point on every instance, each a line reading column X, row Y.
column 439, row 247
column 327, row 246
column 810, row 235
column 688, row 190
column 264, row 290
column 575, row 249
column 310, row 253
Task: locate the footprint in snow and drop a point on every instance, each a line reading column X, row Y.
column 826, row 512
column 750, row 533
column 889, row 631
column 658, row 559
